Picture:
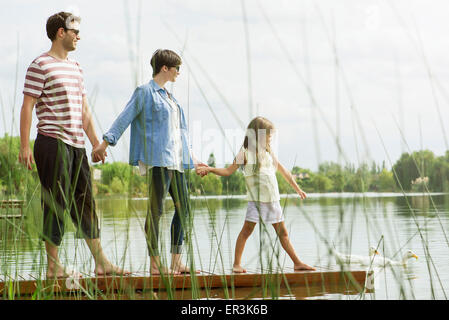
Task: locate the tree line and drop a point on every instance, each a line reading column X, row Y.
column 415, row 171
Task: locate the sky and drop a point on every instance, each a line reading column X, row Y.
column 368, row 76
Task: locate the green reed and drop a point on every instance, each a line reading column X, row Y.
column 22, row 235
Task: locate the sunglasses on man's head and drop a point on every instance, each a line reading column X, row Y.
column 177, row 68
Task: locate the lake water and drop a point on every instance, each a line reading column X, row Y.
column 350, row 222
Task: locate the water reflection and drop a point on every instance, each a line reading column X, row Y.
column 352, row 223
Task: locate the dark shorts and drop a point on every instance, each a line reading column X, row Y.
column 65, row 178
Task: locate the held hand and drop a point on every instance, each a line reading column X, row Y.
column 302, row 194
column 202, row 169
column 26, row 157
column 99, row 154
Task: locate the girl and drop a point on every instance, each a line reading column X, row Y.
column 259, row 168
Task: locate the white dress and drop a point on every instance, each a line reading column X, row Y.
column 262, row 188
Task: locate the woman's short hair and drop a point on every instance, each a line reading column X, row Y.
column 164, row 57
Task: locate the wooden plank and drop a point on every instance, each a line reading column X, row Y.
column 203, row 280
column 12, row 204
column 10, row 216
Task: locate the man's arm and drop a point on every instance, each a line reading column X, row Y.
column 26, row 114
column 89, row 129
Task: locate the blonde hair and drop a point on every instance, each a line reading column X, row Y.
column 258, row 135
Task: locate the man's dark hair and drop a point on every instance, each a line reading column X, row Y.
column 164, row 57
column 56, row 21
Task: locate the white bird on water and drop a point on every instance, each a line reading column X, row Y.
column 342, row 258
column 380, row 261
column 374, row 259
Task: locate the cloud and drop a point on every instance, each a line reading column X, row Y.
column 378, row 55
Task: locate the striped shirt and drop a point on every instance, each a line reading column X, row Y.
column 59, row 89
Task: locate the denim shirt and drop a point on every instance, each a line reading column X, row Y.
column 152, row 141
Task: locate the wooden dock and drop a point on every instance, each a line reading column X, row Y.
column 10, row 205
column 353, row 281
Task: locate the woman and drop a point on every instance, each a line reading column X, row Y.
column 159, row 147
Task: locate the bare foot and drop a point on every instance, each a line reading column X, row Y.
column 162, row 270
column 303, row 267
column 109, row 269
column 238, row 269
column 60, row 272
column 180, row 268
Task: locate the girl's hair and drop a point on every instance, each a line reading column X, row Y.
column 258, row 136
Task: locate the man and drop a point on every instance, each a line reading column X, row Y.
column 54, row 84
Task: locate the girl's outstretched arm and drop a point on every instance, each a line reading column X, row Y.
column 220, row 171
column 225, row 171
column 288, row 177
